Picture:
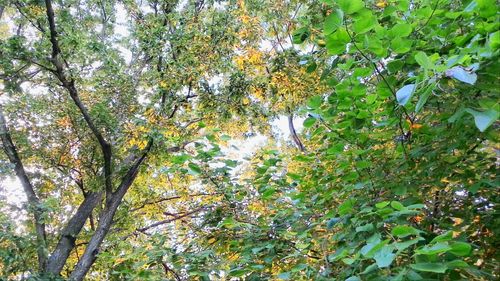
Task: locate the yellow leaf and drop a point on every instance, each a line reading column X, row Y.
column 381, row 4
column 445, row 180
column 416, row 126
column 457, row 221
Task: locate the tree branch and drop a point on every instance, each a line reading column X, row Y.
column 144, row 229
column 294, row 135
column 171, row 198
column 69, row 84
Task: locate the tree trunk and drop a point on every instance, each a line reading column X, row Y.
column 70, row 232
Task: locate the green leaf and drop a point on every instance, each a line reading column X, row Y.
column 372, row 250
column 300, row 35
column 335, row 149
column 366, row 227
column 340, row 253
column 311, row 67
column 268, row 193
column 315, row 102
column 423, row 98
column 401, row 45
column 423, row 60
column 403, row 231
column 434, row 249
column 381, row 205
column 336, row 42
column 457, row 115
column 400, row 246
column 401, row 30
column 460, row 248
column 363, row 164
column 301, row 245
column 375, row 45
column 350, row 6
column 443, row 237
column 486, row 7
column 333, row 22
column 396, row 205
column 194, row 168
column 430, row 267
column 404, row 94
column 285, row 275
column 180, row 159
column 308, row 122
column 348, row 261
column 365, row 22
column 384, row 257
column 299, row 267
column 370, row 268
column 332, row 222
column 494, row 40
column 456, row 264
column 373, row 244
column 346, row 207
column 231, row 163
column 415, row 206
column 238, row 272
column 483, row 119
column 229, row 223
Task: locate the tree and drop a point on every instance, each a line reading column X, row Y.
column 393, row 177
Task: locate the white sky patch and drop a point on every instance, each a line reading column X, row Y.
column 281, row 130
column 12, row 191
column 266, row 45
column 238, row 149
column 120, row 27
column 215, row 81
column 126, row 54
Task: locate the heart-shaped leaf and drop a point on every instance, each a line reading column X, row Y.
column 333, row 22
column 461, row 74
column 404, row 94
column 483, row 119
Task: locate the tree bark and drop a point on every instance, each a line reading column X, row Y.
column 70, row 232
column 294, row 135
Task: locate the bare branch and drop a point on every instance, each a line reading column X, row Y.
column 144, row 229
column 170, row 199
